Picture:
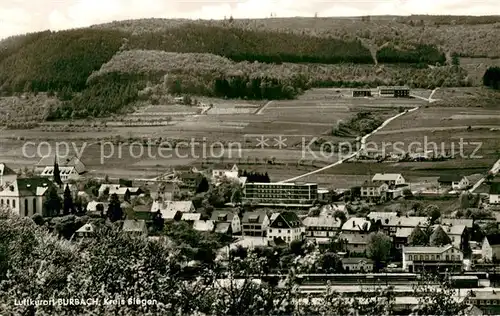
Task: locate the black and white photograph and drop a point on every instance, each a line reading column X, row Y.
column 249, row 157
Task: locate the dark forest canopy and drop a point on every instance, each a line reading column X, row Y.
column 491, row 77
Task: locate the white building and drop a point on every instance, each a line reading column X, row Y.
column 490, row 249
column 455, row 182
column 66, row 173
column 356, row 225
column 285, row 226
column 231, row 174
column 24, row 197
column 373, row 189
column 392, row 179
column 230, row 217
column 357, row 265
column 72, row 166
column 419, row 258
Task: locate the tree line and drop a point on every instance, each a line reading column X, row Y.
column 421, row 54
column 491, row 77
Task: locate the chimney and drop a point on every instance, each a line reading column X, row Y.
column 353, row 224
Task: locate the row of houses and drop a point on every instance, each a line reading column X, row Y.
column 384, row 91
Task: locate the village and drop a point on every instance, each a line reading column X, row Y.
column 356, row 229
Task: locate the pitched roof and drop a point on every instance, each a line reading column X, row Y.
column 222, row 216
column 191, row 216
column 386, row 176
column 259, row 217
column 92, row 206
column 6, row 171
column 427, row 249
column 453, row 229
column 172, row 206
column 31, row 186
column 357, row 224
column 450, row 178
column 495, row 188
column 368, row 184
column 403, row 232
column 290, row 218
column 381, row 215
column 204, row 226
column 458, row 221
column 322, row 221
column 403, row 221
column 131, row 225
column 87, row 228
column 493, row 239
column 356, row 239
column 222, row 228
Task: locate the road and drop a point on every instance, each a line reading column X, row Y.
column 426, row 129
column 363, row 141
column 494, row 170
column 259, row 112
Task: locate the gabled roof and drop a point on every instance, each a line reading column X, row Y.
column 457, row 221
column 403, row 221
column 495, row 188
column 203, row 226
column 87, row 228
column 403, row 232
column 493, row 240
column 355, row 239
column 172, row 206
column 322, row 221
column 92, row 206
column 222, row 228
column 368, row 184
column 381, row 215
column 290, row 218
column 425, row 250
column 191, row 216
column 450, row 178
column 131, row 225
column 111, row 187
column 35, row 186
column 222, row 216
column 452, row 230
column 386, row 176
column 67, row 161
column 258, row 215
column 357, row 224
column 6, row 171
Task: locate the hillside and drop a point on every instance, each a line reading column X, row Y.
column 99, row 70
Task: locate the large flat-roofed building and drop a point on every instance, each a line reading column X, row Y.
column 361, row 93
column 396, row 92
column 285, row 194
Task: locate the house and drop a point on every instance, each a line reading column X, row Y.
column 382, row 216
column 119, row 190
column 172, row 210
column 432, row 258
column 7, row 175
column 93, row 206
column 391, row 179
column 356, row 225
column 190, row 180
column 491, row 247
column 357, row 265
column 373, row 190
column 457, row 233
column 70, row 167
column 25, row 196
column 400, row 239
column 231, row 174
column 330, row 209
column 494, row 195
column 281, row 194
column 86, row 231
column 223, row 228
column 254, row 224
column 204, row 226
column 231, row 217
column 354, row 242
column 468, row 223
column 285, row 226
column 356, row 93
column 321, row 228
column 454, row 181
column 484, row 302
column 191, row 217
column 391, row 225
column 136, row 227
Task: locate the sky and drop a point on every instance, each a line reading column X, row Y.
column 22, row 16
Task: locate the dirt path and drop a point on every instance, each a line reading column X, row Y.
column 425, row 129
column 494, row 170
column 259, row 112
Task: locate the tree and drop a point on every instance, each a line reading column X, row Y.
column 158, row 222
column 126, row 196
column 455, row 60
column 439, row 237
column 68, row 205
column 433, row 212
column 52, row 204
column 418, row 237
column 340, row 215
column 378, row 248
column 115, row 212
column 100, row 208
column 57, row 173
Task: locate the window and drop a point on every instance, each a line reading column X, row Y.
column 426, row 257
column 270, row 230
column 26, row 206
column 410, row 257
column 438, row 257
column 13, row 203
column 26, row 212
column 8, row 202
column 1, row 202
column 279, row 231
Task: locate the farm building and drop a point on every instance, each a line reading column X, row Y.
column 361, row 93
column 396, row 92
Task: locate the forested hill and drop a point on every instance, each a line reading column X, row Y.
column 271, row 58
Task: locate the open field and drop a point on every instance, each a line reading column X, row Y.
column 476, row 67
